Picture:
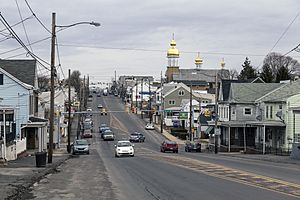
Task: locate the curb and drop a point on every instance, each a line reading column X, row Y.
column 291, row 161
column 21, row 188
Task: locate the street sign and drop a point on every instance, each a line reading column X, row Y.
column 183, row 115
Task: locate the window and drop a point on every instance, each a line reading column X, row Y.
column 1, row 79
column 181, row 93
column 247, row 111
column 280, row 106
column 171, row 102
column 267, row 111
column 271, row 112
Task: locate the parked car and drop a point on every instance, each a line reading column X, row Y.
column 149, row 126
column 124, row 148
column 192, row 146
column 168, row 145
column 98, row 95
column 87, row 133
column 100, row 105
column 108, row 135
column 136, row 137
column 89, row 109
column 80, row 146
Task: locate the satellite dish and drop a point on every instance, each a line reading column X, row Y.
column 279, row 114
column 259, row 117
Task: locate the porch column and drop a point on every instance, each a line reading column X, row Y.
column 40, row 139
column 229, row 139
column 264, row 140
column 245, row 147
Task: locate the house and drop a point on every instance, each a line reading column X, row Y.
column 259, row 117
column 19, row 96
column 60, row 120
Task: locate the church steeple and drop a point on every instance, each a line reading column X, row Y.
column 198, row 61
column 173, row 54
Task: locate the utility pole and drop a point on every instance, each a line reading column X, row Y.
column 136, row 96
column 150, row 106
column 84, row 94
column 69, row 113
column 4, row 136
column 191, row 109
column 161, row 104
column 142, row 98
column 88, row 85
column 58, row 127
column 50, row 150
column 216, row 118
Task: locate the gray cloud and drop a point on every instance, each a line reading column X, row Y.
column 228, row 26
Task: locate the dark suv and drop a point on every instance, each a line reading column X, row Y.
column 192, row 146
column 136, row 137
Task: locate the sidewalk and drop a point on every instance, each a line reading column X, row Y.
column 266, row 157
column 17, row 176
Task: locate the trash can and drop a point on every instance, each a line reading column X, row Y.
column 40, row 158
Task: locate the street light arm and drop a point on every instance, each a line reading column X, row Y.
column 78, row 23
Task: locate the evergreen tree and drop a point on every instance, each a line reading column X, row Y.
column 283, row 74
column 248, row 71
column 267, row 74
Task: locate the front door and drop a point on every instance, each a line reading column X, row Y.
column 31, row 138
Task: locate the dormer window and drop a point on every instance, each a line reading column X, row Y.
column 181, row 92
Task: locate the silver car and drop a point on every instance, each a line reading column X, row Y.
column 80, row 146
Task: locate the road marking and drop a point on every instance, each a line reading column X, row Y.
column 231, row 174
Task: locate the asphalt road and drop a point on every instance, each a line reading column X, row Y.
column 155, row 175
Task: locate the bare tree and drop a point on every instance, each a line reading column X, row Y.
column 279, row 63
column 43, row 83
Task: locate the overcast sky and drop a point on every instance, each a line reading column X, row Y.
column 135, row 35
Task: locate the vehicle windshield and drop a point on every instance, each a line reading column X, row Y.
column 170, row 142
column 124, row 144
column 108, row 132
column 134, row 134
column 81, row 142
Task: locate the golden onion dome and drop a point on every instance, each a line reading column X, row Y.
column 222, row 63
column 173, row 51
column 198, row 60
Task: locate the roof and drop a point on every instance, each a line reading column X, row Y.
column 24, row 70
column 179, row 85
column 282, row 93
column 207, row 75
column 249, row 92
column 25, row 85
column 226, row 87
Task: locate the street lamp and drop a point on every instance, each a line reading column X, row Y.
column 50, row 151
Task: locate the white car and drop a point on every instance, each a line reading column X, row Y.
column 124, row 148
column 149, row 126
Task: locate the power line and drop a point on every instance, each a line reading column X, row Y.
column 156, row 50
column 38, row 41
column 27, row 38
column 284, row 32
column 37, row 17
column 9, row 28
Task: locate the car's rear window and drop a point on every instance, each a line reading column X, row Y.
column 170, row 142
column 81, row 142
